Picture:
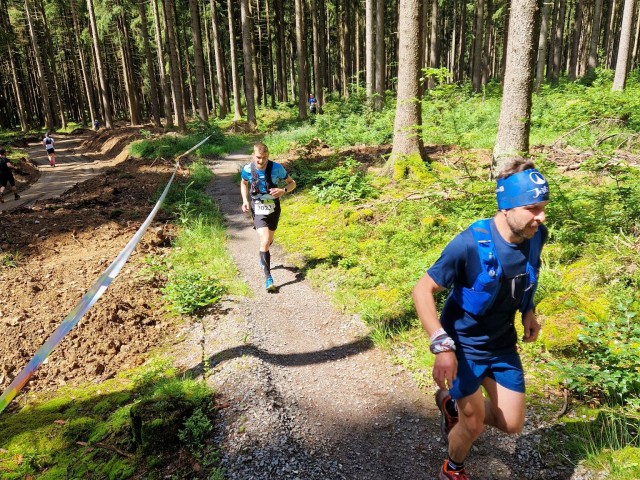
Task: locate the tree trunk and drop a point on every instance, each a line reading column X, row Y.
column 542, row 45
column 622, row 62
column 370, row 47
column 608, row 42
column 477, row 47
column 97, row 52
column 247, row 51
column 164, row 79
column 460, row 67
column 196, row 35
column 380, row 59
column 634, row 55
column 272, row 79
column 595, row 37
column 318, row 57
column 83, row 64
column 128, row 70
column 512, row 140
column 174, row 69
column 558, row 42
column 153, row 85
column 41, row 70
column 302, row 61
column 223, row 100
column 434, row 41
column 486, row 68
column 407, row 133
column 235, row 77
column 575, row 42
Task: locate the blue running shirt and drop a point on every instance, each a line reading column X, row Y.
column 278, row 172
column 491, row 334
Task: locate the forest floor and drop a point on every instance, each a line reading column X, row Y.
column 302, row 391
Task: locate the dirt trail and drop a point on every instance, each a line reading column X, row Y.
column 305, row 393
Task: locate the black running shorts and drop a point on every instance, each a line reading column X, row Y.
column 50, row 151
column 7, row 178
column 270, row 221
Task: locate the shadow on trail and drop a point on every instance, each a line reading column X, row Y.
column 287, row 360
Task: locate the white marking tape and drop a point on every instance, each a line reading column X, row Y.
column 86, row 302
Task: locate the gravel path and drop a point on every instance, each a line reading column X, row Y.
column 304, row 393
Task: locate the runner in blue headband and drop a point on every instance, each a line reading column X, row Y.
column 491, row 269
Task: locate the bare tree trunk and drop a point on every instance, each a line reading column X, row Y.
column 196, row 36
column 318, row 59
column 575, row 42
column 280, row 51
column 434, row 42
column 235, row 77
column 104, row 90
column 174, row 68
column 486, row 68
column 302, row 61
column 622, row 62
column 153, row 85
column 370, row 47
column 595, row 37
column 477, row 47
column 634, row 55
column 380, row 59
column 608, row 34
column 247, row 51
column 558, row 41
column 512, row 140
column 460, row 68
column 223, row 100
column 270, row 55
column 542, row 45
column 83, row 64
column 42, row 74
column 322, row 54
column 407, row 132
column 164, row 80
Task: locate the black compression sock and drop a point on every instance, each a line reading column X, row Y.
column 265, row 261
column 453, row 466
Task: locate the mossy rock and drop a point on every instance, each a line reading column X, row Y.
column 155, row 425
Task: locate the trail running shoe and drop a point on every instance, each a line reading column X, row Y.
column 268, row 284
column 447, row 418
column 446, row 474
column 1, row 199
column 16, row 196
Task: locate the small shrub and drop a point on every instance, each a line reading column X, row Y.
column 345, row 183
column 189, row 291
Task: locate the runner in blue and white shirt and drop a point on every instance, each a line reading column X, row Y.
column 261, row 196
column 48, row 142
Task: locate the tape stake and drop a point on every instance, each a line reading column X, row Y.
column 88, row 299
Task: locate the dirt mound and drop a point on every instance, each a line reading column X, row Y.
column 110, row 142
column 51, row 253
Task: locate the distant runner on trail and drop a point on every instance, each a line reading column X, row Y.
column 261, row 195
column 47, row 141
column 6, row 175
column 492, row 269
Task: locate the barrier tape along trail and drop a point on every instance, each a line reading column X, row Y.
column 86, row 302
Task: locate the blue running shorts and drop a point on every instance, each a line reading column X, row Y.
column 506, row 370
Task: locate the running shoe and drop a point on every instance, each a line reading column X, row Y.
column 16, row 196
column 268, row 284
column 1, row 199
column 447, row 418
column 446, row 474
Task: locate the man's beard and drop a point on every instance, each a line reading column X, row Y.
column 518, row 230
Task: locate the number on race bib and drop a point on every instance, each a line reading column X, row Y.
column 264, row 207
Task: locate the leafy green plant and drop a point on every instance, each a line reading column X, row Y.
column 345, row 183
column 189, row 291
column 197, row 429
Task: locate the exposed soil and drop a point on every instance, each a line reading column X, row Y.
column 53, row 250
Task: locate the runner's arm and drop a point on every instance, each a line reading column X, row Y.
column 244, row 191
column 288, row 188
column 445, row 365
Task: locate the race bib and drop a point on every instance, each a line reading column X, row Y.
column 264, row 207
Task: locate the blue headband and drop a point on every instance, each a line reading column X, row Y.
column 522, row 188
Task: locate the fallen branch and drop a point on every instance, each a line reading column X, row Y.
column 565, row 404
column 106, row 447
column 590, row 122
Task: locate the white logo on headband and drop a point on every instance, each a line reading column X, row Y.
column 537, row 178
column 540, row 191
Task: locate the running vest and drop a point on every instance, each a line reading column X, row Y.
column 479, row 298
column 254, row 189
